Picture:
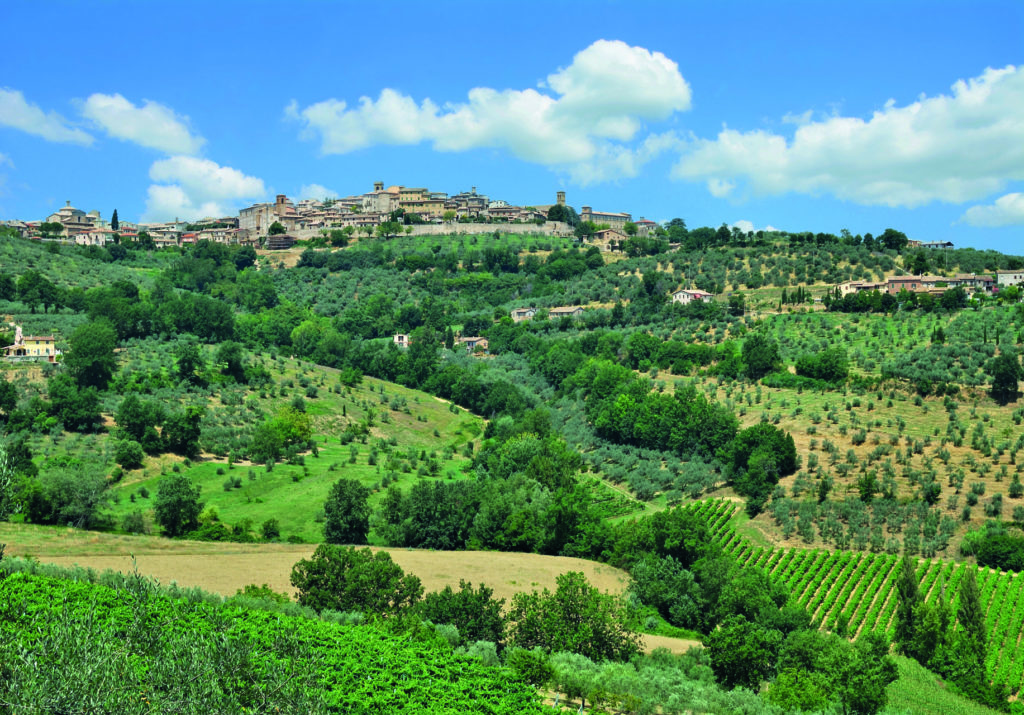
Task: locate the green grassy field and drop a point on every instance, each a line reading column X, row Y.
column 294, row 494
column 921, row 692
column 412, row 436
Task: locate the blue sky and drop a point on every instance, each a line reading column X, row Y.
column 796, row 115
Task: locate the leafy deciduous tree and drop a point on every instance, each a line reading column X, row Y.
column 476, row 614
column 576, row 617
column 90, row 358
column 177, row 505
column 349, row 579
column 760, row 355
column 347, row 512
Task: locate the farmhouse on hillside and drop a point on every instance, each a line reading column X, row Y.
column 473, row 343
column 569, row 311
column 521, row 314
column 31, row 347
column 686, row 296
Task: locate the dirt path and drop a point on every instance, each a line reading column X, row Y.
column 676, row 645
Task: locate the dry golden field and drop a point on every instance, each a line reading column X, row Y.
column 224, row 568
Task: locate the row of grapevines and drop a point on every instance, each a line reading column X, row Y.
column 874, row 595
column 796, row 568
column 933, row 570
column 818, row 582
column 840, row 571
column 757, row 556
column 810, row 571
column 1009, row 615
column 860, row 595
column 769, row 567
column 877, row 617
column 783, row 563
column 839, row 595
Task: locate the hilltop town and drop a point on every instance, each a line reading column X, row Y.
column 382, row 211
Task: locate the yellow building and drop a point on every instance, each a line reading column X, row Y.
column 32, row 347
column 421, row 201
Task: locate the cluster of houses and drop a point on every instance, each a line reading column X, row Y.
column 309, row 217
column 471, row 345
column 477, row 344
column 936, row 284
column 931, row 245
column 69, row 224
column 567, row 311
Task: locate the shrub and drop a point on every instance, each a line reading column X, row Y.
column 134, row 523
column 270, row 529
column 129, row 454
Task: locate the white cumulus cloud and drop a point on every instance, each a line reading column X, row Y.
column 720, row 188
column 748, row 226
column 958, row 147
column 150, row 125
column 1008, row 210
column 164, row 203
column 616, row 161
column 581, row 118
column 18, row 113
column 188, row 187
column 317, row 191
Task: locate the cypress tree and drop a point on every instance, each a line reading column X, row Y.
column 967, row 666
column 114, row 223
column 909, row 598
column 971, row 617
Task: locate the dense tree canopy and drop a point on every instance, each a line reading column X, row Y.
column 347, row 513
column 576, row 617
column 348, row 579
column 90, row 359
column 177, row 505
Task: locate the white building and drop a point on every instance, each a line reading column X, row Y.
column 688, row 296
column 1010, row 278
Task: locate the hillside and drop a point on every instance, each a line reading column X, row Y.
column 856, row 593
column 412, row 432
column 258, row 396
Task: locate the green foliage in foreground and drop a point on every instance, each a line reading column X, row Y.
column 76, row 646
column 659, row 682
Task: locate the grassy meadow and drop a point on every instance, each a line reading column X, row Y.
column 412, row 436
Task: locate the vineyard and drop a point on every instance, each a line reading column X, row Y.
column 854, row 592
column 90, row 648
